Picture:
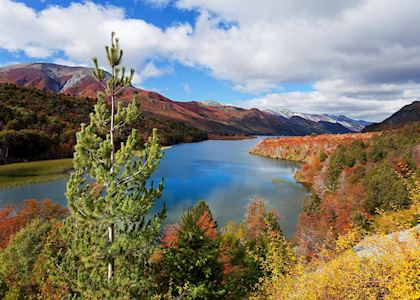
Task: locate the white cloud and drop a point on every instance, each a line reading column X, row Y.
column 373, row 102
column 254, row 86
column 150, row 70
column 80, row 30
column 70, row 63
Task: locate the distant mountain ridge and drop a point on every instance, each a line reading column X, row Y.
column 352, row 124
column 209, row 116
column 408, row 114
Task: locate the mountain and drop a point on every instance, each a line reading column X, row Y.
column 210, row 116
column 408, row 114
column 353, row 125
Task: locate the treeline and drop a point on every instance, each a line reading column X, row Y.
column 36, row 124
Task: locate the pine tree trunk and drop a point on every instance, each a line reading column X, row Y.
column 111, row 260
column 111, row 226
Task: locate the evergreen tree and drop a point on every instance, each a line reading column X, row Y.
column 108, row 242
column 337, row 164
column 385, row 190
column 191, row 255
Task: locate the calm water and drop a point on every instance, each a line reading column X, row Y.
column 220, row 172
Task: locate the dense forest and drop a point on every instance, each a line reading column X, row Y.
column 36, row 124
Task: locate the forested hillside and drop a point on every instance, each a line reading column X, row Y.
column 36, row 124
column 363, row 186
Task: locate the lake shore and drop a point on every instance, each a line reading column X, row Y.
column 24, row 173
column 230, row 137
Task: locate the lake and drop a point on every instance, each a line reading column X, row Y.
column 222, row 173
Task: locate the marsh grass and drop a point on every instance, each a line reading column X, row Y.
column 34, row 172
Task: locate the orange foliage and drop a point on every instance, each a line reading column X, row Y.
column 400, row 166
column 8, row 225
column 207, row 225
column 170, row 236
column 228, row 268
column 12, row 219
column 309, row 170
column 205, row 222
column 254, row 218
column 335, row 218
column 304, row 147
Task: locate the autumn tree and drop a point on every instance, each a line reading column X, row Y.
column 17, row 262
column 246, row 246
column 12, row 219
column 108, row 238
column 191, row 255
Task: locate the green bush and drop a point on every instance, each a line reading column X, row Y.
column 311, row 205
column 386, row 191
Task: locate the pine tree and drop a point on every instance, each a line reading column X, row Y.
column 108, row 240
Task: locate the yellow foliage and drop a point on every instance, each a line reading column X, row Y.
column 277, row 263
column 388, row 269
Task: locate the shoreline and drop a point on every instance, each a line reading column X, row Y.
column 216, row 137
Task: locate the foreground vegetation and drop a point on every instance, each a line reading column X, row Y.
column 357, row 237
column 17, row 174
column 343, row 249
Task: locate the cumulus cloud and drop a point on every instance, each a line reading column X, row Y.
column 361, row 54
column 149, row 71
column 80, row 30
column 373, row 102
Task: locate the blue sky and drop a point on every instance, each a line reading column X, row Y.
column 181, row 83
column 324, row 57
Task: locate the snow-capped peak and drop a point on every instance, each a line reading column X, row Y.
column 354, row 125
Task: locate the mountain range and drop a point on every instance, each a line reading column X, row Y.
column 210, row 116
column 352, row 124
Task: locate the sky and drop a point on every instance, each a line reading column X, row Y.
column 360, row 58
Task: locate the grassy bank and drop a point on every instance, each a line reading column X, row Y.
column 19, row 174
column 34, row 172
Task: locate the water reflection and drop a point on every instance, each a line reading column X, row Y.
column 219, row 172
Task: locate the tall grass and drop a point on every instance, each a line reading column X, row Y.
column 34, row 172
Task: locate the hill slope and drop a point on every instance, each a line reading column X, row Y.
column 407, row 114
column 36, row 124
column 77, row 81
